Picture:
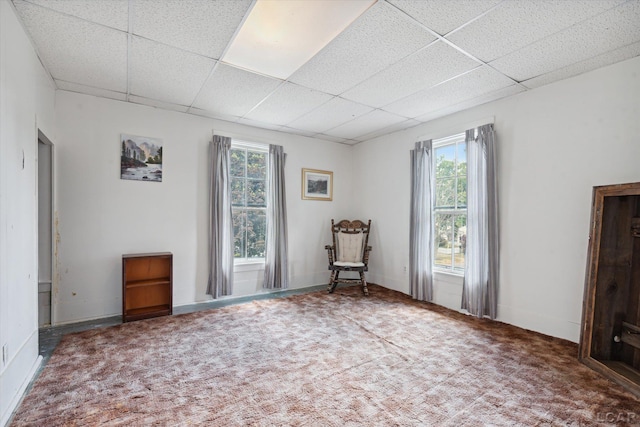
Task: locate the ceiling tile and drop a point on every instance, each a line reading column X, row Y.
column 426, row 68
column 380, row 37
column 475, row 83
column 112, row 13
column 365, row 124
column 165, row 73
column 409, row 123
column 233, row 91
column 330, row 138
column 259, row 124
column 608, row 31
column 329, row 115
column 443, row 16
column 75, row 50
column 516, row 23
column 88, row 90
column 204, row 113
column 203, row 27
column 158, row 104
column 514, row 89
column 287, row 103
column 608, row 58
column 297, row 131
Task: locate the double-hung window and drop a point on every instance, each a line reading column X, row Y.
column 249, row 200
column 450, row 209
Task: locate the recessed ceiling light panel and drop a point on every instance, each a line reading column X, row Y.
column 279, row 36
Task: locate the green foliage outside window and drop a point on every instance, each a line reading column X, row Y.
column 249, row 202
column 450, row 216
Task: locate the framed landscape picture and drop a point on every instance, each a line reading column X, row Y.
column 140, row 158
column 317, row 185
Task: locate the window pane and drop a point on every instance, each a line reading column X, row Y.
column 443, row 239
column 462, row 175
column 445, row 192
column 459, row 241
column 248, row 198
column 462, row 192
column 450, row 197
column 256, row 229
column 237, row 162
column 239, row 229
column 445, row 161
column 256, row 196
column 462, row 153
column 237, row 192
column 257, row 165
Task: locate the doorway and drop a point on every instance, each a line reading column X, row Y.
column 45, row 228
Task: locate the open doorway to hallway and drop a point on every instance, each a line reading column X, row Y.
column 45, row 228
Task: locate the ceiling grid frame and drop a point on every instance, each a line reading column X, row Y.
column 453, row 45
column 619, row 46
column 218, row 60
column 129, row 36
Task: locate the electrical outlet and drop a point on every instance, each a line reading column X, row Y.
column 5, row 354
column 404, row 269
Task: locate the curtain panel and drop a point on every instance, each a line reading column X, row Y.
column 221, row 240
column 480, row 288
column 421, row 222
column 276, row 258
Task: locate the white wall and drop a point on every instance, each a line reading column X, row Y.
column 102, row 217
column 554, row 144
column 26, row 104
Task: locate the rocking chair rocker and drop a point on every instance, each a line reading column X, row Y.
column 349, row 252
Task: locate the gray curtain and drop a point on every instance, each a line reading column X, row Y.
column 480, row 289
column 221, row 241
column 276, row 259
column 421, row 225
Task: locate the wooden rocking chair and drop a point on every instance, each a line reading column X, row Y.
column 349, row 252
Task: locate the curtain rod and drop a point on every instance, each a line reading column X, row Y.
column 455, row 129
column 247, row 140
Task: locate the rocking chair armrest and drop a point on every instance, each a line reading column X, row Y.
column 330, row 253
column 365, row 257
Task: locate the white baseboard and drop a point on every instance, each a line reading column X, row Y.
column 540, row 322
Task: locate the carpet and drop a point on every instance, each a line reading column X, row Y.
column 321, row 359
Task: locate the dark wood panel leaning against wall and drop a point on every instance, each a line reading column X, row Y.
column 610, row 336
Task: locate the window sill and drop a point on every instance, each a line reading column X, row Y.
column 248, row 266
column 448, row 274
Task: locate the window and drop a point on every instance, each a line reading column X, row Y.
column 450, row 210
column 249, row 201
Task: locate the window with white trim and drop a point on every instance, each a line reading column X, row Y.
column 450, row 208
column 249, row 200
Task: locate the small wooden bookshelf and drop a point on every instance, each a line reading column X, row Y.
column 147, row 285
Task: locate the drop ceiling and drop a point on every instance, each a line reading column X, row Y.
column 401, row 63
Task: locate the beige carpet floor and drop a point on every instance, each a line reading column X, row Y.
column 321, row 360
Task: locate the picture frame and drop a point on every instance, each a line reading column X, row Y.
column 140, row 158
column 317, row 185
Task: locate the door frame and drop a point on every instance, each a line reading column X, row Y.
column 42, row 139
